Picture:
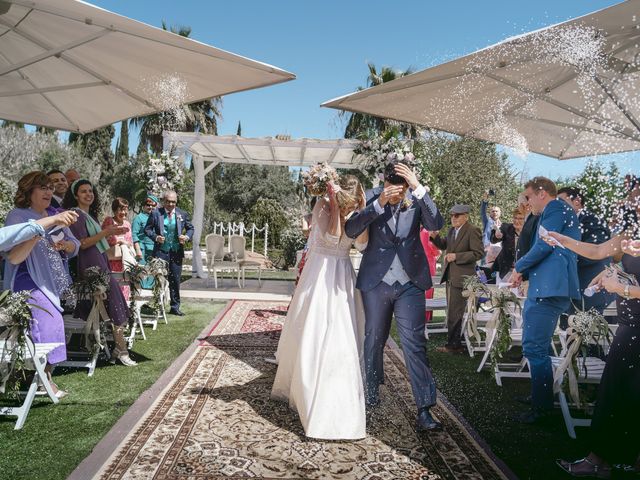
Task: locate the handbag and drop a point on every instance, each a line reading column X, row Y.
column 114, row 252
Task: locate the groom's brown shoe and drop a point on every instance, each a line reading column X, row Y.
column 426, row 423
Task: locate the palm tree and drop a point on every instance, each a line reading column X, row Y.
column 360, row 124
column 200, row 116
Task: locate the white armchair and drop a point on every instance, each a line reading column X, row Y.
column 237, row 246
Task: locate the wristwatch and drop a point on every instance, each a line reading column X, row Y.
column 626, row 294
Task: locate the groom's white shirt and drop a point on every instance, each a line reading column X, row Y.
column 396, row 271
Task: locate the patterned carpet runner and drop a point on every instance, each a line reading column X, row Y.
column 217, row 421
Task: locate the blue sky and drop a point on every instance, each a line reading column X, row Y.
column 328, row 44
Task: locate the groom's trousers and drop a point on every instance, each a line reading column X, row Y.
column 406, row 303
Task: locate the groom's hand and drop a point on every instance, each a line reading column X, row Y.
column 408, row 174
column 388, row 193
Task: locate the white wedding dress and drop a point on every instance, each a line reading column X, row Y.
column 319, row 355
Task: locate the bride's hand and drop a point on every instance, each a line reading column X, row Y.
column 331, row 191
column 362, row 198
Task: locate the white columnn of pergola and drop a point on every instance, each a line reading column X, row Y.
column 207, row 151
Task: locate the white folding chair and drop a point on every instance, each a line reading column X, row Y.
column 36, row 356
column 81, row 359
column 215, row 258
column 590, row 370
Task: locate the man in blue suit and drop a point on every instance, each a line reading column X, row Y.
column 553, row 283
column 593, row 230
column 393, row 277
column 170, row 228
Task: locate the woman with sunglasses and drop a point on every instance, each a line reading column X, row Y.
column 143, row 244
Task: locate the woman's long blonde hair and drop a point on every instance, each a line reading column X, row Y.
column 347, row 196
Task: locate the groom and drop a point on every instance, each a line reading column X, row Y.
column 393, row 278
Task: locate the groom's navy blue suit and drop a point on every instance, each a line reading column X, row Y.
column 395, row 232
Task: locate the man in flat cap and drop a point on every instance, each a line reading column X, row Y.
column 463, row 248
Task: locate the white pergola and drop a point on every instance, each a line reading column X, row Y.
column 207, row 151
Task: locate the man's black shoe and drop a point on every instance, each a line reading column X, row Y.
column 426, row 423
column 176, row 312
column 525, row 400
column 534, row 416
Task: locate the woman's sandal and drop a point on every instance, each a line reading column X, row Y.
column 596, row 471
column 124, row 358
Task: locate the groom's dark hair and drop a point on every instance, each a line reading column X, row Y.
column 390, row 174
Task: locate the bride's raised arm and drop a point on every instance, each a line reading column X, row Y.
column 361, row 240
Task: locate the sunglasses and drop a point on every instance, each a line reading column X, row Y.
column 456, row 215
column 149, row 204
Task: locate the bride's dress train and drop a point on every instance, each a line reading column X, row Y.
column 320, row 350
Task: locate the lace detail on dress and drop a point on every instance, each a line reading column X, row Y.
column 320, row 238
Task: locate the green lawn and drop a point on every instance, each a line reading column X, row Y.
column 56, row 438
column 530, row 451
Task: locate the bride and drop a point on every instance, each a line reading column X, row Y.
column 320, row 351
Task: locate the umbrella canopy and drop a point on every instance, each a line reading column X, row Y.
column 72, row 66
column 566, row 91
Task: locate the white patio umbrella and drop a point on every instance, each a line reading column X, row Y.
column 566, row 91
column 72, row 66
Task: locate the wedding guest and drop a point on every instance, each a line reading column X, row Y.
column 60, row 186
column 72, row 175
column 142, row 244
column 433, row 253
column 120, row 209
column 529, row 229
column 489, row 221
column 593, row 230
column 553, row 283
column 508, row 234
column 83, row 198
column 615, row 427
column 36, row 264
column 170, row 228
column 463, row 248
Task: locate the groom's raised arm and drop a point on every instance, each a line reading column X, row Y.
column 430, row 215
column 360, row 220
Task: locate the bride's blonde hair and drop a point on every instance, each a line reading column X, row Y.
column 347, row 196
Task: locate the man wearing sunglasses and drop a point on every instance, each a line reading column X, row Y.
column 463, row 248
column 170, row 228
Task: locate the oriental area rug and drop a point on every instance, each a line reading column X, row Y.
column 217, row 421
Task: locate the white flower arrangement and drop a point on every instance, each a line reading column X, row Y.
column 317, row 178
column 377, row 152
column 164, row 173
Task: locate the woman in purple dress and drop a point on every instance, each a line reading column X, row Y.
column 83, row 198
column 37, row 265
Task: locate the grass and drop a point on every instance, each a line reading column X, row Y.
column 56, row 438
column 530, row 451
